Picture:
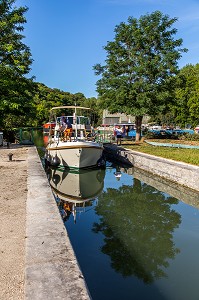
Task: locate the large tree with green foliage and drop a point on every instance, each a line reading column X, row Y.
column 15, row 60
column 137, row 75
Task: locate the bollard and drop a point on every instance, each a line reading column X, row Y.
column 10, row 156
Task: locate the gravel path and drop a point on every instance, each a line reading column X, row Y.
column 13, row 196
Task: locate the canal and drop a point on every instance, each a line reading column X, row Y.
column 135, row 236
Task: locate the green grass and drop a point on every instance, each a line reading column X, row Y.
column 190, row 156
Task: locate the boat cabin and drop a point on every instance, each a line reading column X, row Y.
column 81, row 126
column 81, row 121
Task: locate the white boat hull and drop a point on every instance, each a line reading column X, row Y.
column 75, row 154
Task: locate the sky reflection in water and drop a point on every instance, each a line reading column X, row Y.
column 132, row 237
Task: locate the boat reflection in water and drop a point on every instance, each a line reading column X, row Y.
column 75, row 191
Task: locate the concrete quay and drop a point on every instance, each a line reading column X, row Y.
column 51, row 268
column 178, row 172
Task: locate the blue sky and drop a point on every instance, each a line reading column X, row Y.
column 66, row 37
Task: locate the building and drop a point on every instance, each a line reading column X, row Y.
column 109, row 119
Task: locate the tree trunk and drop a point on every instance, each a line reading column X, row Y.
column 138, row 124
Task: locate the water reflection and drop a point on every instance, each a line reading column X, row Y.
column 180, row 192
column 137, row 222
column 75, row 190
column 147, row 246
column 117, row 173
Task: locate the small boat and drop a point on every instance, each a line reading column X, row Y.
column 47, row 127
column 73, row 147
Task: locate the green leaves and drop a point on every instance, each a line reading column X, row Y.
column 140, row 60
column 15, row 59
column 187, row 95
column 13, row 52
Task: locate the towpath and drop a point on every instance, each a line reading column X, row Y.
column 37, row 259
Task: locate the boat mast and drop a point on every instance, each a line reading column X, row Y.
column 75, row 119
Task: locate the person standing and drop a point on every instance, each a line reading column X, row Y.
column 68, row 131
column 118, row 134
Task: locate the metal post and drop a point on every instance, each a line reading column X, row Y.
column 10, row 156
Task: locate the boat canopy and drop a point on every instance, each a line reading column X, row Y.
column 71, row 106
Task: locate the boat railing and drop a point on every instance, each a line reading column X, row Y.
column 82, row 134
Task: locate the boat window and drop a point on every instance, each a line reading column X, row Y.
column 70, row 119
column 84, row 120
column 80, row 120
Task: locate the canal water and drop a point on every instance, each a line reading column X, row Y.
column 135, row 236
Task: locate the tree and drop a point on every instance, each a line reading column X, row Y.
column 186, row 107
column 95, row 113
column 137, row 77
column 45, row 98
column 15, row 60
column 14, row 54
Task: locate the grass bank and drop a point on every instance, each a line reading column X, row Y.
column 190, row 156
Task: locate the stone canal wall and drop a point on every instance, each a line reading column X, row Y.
column 185, row 194
column 179, row 172
column 52, row 270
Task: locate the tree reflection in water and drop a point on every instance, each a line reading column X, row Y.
column 138, row 222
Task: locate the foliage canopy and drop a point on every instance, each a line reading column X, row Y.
column 15, row 60
column 137, row 76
